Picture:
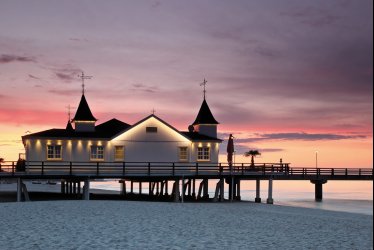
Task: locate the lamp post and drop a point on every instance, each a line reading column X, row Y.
column 316, row 159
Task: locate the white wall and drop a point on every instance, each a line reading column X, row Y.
column 140, row 146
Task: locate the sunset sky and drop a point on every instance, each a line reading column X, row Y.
column 286, row 77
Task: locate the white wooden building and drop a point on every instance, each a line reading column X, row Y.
column 149, row 140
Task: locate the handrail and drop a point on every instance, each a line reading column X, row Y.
column 96, row 168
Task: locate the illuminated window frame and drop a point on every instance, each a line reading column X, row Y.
column 203, row 153
column 54, row 152
column 97, row 153
column 119, row 153
column 183, row 153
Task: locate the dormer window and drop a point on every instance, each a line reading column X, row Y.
column 151, row 129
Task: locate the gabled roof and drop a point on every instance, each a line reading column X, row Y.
column 204, row 116
column 192, row 136
column 160, row 120
column 83, row 111
column 105, row 130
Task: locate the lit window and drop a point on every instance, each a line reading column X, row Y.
column 151, row 129
column 97, row 153
column 203, row 153
column 54, row 152
column 119, row 153
column 183, row 154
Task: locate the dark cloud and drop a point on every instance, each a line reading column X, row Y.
column 67, row 73
column 312, row 16
column 33, row 77
column 74, row 39
column 270, row 150
column 300, row 136
column 63, row 92
column 144, row 88
column 6, row 58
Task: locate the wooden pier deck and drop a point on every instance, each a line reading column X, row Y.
column 161, row 172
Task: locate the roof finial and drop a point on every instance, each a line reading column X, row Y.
column 83, row 77
column 69, row 108
column 153, row 111
column 204, row 84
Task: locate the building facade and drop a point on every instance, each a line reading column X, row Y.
column 149, row 140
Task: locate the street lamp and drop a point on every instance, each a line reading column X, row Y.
column 316, row 159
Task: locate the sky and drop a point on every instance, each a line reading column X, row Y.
column 288, row 78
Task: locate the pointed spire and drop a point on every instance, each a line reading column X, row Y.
column 204, row 116
column 69, row 127
column 83, row 111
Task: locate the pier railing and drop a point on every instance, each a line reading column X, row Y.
column 172, row 169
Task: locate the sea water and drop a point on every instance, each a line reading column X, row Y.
column 346, row 196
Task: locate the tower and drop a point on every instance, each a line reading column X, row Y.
column 84, row 120
column 205, row 123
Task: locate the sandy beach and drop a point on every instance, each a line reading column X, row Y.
column 157, row 225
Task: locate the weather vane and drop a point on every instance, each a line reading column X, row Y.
column 83, row 77
column 204, row 84
column 69, row 108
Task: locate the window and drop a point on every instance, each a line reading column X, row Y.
column 183, row 154
column 203, row 153
column 151, row 129
column 119, row 153
column 97, row 153
column 54, row 152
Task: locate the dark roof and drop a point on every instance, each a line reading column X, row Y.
column 205, row 115
column 69, row 127
column 105, row 130
column 83, row 111
column 194, row 136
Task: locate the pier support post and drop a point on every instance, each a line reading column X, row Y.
column 231, row 188
column 19, row 189
column 123, row 187
column 194, row 189
column 205, row 189
column 270, row 192
column 86, row 190
column 176, row 190
column 140, row 187
column 222, row 192
column 258, row 198
column 166, row 188
column 318, row 190
column 238, row 197
column 183, row 190
column 62, row 186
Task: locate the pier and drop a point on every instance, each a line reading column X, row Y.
column 190, row 180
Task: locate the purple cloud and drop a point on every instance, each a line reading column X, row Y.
column 300, row 136
column 33, row 77
column 6, row 58
column 144, row 88
column 67, row 73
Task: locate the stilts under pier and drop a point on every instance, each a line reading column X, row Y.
column 189, row 182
